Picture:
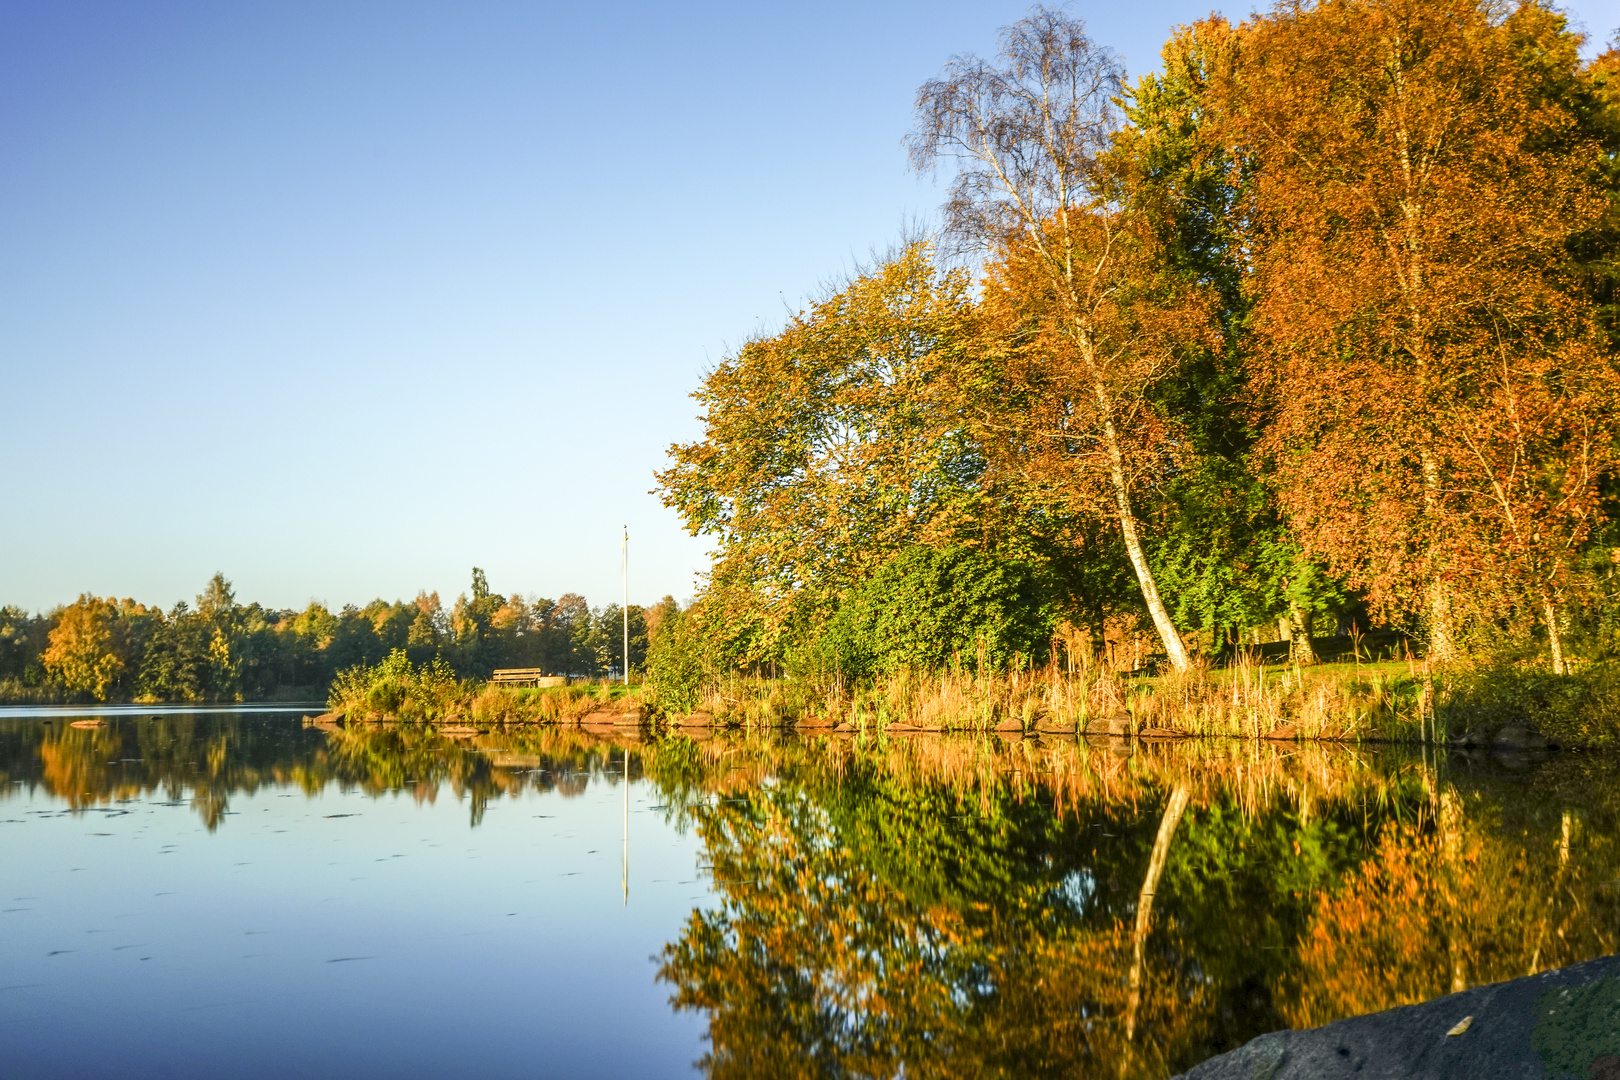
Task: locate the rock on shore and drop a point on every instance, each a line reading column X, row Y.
column 1562, row 1023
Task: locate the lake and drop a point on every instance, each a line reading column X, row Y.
column 198, row 893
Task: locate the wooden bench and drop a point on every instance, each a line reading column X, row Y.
column 528, row 676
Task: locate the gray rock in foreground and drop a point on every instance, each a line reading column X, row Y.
column 1563, row 1023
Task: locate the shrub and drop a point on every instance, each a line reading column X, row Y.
column 394, row 685
column 930, row 609
column 676, row 663
column 1582, row 709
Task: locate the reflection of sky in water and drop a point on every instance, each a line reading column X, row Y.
column 342, row 934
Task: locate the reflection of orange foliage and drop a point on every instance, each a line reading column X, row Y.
column 74, row 767
column 1383, row 940
column 1447, row 905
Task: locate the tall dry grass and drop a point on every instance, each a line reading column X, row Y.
column 493, row 704
column 1248, row 699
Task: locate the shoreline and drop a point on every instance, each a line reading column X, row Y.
column 1518, row 742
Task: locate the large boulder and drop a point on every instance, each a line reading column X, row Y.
column 1561, row 1023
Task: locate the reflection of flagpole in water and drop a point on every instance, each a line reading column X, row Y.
column 625, row 875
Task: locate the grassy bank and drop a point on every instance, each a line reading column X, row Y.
column 1394, row 701
column 1368, row 701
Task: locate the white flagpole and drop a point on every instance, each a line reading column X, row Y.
column 626, row 609
column 626, row 862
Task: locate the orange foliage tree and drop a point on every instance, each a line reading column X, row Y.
column 1415, row 172
column 92, row 646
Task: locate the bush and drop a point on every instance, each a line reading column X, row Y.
column 394, row 686
column 676, row 663
column 930, row 609
column 1582, row 709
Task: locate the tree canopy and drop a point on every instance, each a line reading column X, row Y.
column 1315, row 323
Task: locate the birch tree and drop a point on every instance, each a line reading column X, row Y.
column 1028, row 137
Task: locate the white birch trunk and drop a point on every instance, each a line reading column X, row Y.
column 1168, row 634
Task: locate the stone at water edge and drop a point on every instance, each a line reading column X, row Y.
column 1519, row 737
column 604, row 717
column 1114, row 724
column 1559, row 1023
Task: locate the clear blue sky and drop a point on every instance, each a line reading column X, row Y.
column 345, row 298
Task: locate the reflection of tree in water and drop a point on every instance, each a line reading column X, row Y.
column 203, row 758
column 1471, row 890
column 208, row 758
column 492, row 765
column 928, row 912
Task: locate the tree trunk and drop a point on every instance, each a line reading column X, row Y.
column 1442, row 635
column 1144, row 901
column 1442, row 639
column 1299, row 639
column 1133, row 543
column 1549, row 611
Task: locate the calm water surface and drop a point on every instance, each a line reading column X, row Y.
column 210, row 894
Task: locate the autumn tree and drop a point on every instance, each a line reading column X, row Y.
column 95, row 643
column 833, row 444
column 1090, row 317
column 1225, row 555
column 429, row 629
column 1418, row 171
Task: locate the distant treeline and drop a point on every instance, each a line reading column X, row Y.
column 106, row 649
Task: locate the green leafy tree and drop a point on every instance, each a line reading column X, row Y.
column 177, row 662
column 830, row 446
column 678, row 661
column 23, row 640
column 429, row 629
column 930, row 609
